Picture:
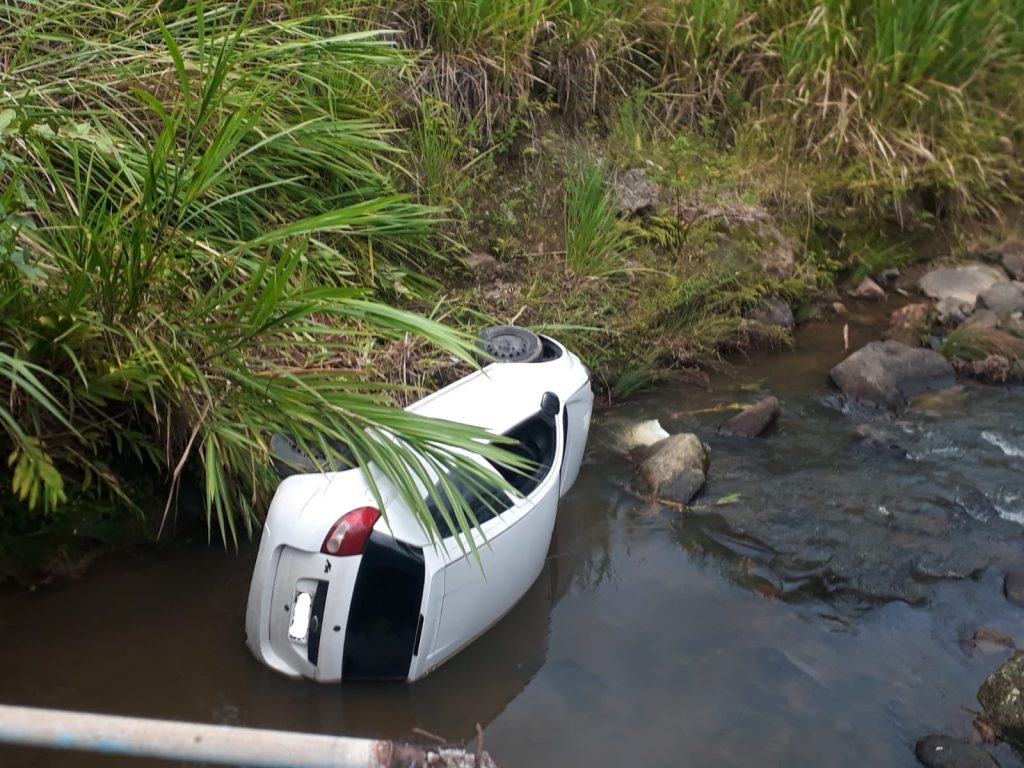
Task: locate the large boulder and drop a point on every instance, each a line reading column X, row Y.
column 675, row 468
column 1004, row 298
column 1002, row 698
column 939, row 751
column 886, row 373
column 754, row 419
column 962, row 284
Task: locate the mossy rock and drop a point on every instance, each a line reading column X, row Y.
column 1002, row 698
column 976, row 342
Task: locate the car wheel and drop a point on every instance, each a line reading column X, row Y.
column 510, row 344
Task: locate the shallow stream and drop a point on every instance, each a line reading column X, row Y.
column 820, row 616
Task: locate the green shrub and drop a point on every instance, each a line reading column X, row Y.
column 194, row 218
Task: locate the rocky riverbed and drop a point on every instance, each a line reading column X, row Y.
column 906, row 474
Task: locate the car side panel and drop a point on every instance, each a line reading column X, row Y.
column 511, row 561
column 578, row 410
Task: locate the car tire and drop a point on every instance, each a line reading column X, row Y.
column 510, row 344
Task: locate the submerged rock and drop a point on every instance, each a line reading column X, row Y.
column 886, row 373
column 635, row 192
column 773, row 311
column 1002, row 698
column 962, row 284
column 882, row 437
column 1013, row 588
column 675, row 468
column 988, row 640
column 754, row 419
column 938, row 751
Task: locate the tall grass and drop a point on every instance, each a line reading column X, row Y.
column 195, row 219
column 595, row 240
column 900, row 91
column 898, row 82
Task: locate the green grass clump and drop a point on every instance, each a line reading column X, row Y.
column 197, row 229
column 595, row 240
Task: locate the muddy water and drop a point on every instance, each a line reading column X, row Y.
column 818, row 619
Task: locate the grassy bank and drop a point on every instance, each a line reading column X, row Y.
column 220, row 221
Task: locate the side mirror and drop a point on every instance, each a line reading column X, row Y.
column 550, row 405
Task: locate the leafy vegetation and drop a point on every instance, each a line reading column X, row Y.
column 198, row 244
column 219, row 220
column 595, row 240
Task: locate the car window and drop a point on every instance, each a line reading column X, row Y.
column 536, row 443
column 484, row 499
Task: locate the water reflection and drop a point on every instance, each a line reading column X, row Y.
column 820, row 619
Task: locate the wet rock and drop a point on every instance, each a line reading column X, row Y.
column 676, row 468
column 886, row 373
column 1003, row 298
column 988, row 640
column 988, row 354
column 991, row 369
column 1002, row 698
column 960, row 283
column 773, row 311
column 976, row 505
column 938, row 751
column 890, row 275
column 483, row 264
column 939, row 401
column 1013, row 588
column 840, row 309
column 1013, row 263
column 983, row 318
column 868, row 289
column 754, row 419
column 909, row 324
column 1010, row 255
column 636, row 194
column 881, row 437
column 951, row 311
column 638, row 435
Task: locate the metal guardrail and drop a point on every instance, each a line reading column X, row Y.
column 218, row 744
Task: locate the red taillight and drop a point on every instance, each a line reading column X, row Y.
column 348, row 536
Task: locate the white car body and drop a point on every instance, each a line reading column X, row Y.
column 403, row 605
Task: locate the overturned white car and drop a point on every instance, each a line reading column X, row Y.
column 343, row 592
